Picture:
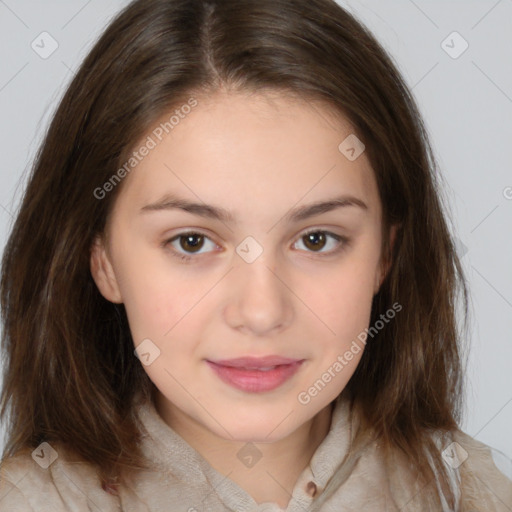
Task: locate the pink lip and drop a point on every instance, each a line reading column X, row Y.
column 246, row 374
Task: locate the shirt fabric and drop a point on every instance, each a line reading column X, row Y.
column 182, row 480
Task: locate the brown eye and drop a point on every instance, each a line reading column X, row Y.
column 322, row 242
column 189, row 245
column 315, row 241
column 191, row 242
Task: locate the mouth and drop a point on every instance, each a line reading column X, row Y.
column 256, row 374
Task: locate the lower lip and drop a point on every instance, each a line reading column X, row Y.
column 255, row 381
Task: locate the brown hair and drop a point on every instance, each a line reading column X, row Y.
column 70, row 372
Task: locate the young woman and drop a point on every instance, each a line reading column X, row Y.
column 231, row 285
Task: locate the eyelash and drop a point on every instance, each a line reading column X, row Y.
column 343, row 241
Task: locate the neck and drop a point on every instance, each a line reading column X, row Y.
column 273, row 477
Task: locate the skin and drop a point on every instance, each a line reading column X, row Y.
column 258, row 156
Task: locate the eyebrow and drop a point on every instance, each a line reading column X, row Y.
column 221, row 214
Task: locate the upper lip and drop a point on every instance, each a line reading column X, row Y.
column 255, row 362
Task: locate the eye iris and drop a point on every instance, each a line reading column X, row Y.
column 190, row 242
column 311, row 239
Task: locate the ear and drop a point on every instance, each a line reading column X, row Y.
column 103, row 273
column 386, row 262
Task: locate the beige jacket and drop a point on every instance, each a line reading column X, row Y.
column 182, row 481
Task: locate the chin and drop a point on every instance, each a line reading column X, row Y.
column 261, row 430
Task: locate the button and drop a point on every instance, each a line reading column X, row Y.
column 311, row 489
column 110, row 487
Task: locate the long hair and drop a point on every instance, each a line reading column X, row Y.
column 70, row 374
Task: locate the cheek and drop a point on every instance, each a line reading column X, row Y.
column 343, row 298
column 156, row 296
column 342, row 301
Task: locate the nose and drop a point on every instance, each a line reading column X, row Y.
column 260, row 302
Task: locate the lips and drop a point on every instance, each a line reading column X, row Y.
column 255, row 363
column 256, row 374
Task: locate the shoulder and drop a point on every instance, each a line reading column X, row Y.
column 485, row 474
column 51, row 478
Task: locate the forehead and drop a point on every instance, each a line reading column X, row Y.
column 250, row 150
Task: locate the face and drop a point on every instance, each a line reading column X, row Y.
column 258, row 268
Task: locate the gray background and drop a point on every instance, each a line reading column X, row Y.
column 466, row 102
